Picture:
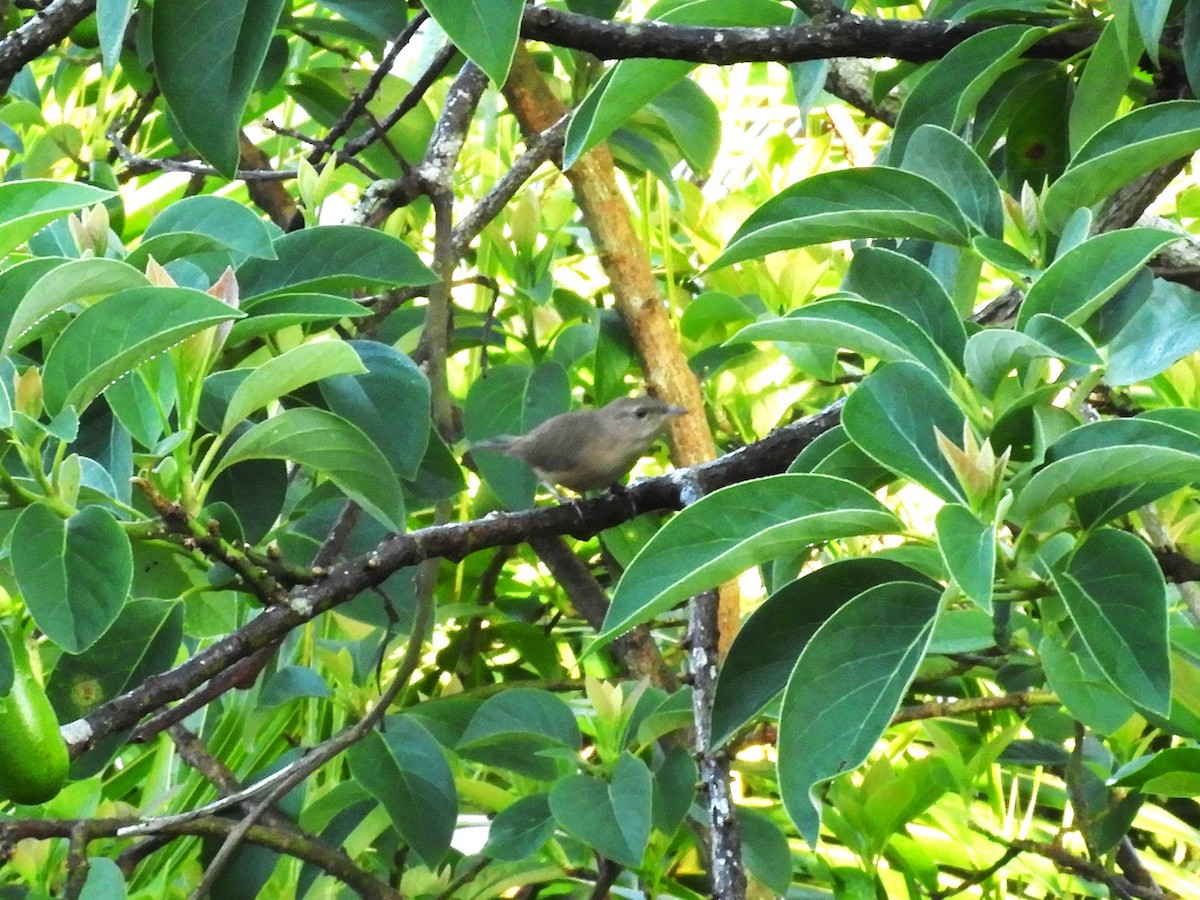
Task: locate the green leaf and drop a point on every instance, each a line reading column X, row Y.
column 734, row 528
column 903, row 284
column 104, row 881
column 328, row 443
column 833, row 453
column 512, row 729
column 405, row 770
column 521, row 828
column 74, row 574
column 994, row 352
column 1115, row 592
column 1078, row 681
column 1078, row 282
column 389, row 402
column 1114, row 453
column 1103, row 82
column 333, row 258
column 271, row 314
column 110, row 339
column 285, row 373
column 893, row 416
column 857, row 325
column 1164, row 330
column 871, row 202
column 1119, row 152
column 969, row 548
column 30, row 205
column 485, row 31
column 1173, row 772
column 953, row 87
column 845, row 688
column 613, row 818
column 674, row 788
column 766, row 850
column 226, row 221
column 142, row 641
column 1150, row 16
column 112, row 17
column 206, row 58
column 632, row 83
column 946, row 159
column 768, row 643
column 81, row 282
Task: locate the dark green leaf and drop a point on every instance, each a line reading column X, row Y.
column 735, row 528
column 484, row 30
column 771, row 639
column 206, row 58
column 1079, row 682
column 993, row 353
column 1115, row 592
column 405, row 770
column 969, row 548
column 766, row 850
column 674, row 789
column 511, row 729
column 330, row 444
column 521, row 828
column 107, row 341
column 870, row 202
column 1173, row 772
column 74, row 574
column 226, row 221
column 946, row 159
column 612, row 818
column 893, row 417
column 845, row 688
column 1078, row 282
column 1150, row 16
column 1164, row 329
column 29, row 205
column 333, row 258
column 271, row 314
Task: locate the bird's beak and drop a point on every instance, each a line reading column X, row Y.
column 676, row 410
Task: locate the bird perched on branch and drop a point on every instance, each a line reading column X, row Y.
column 588, row 449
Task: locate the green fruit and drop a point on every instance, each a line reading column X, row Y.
column 86, row 34
column 33, row 755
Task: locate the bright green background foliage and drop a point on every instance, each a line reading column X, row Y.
column 970, row 629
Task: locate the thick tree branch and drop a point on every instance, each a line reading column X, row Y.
column 451, row 541
column 848, row 36
column 25, row 44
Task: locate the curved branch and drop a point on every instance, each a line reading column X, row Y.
column 452, row 541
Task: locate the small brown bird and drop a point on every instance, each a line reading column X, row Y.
column 588, row 449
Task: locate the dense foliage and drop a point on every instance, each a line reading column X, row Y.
column 923, row 276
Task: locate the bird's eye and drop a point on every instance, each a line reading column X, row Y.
column 642, row 412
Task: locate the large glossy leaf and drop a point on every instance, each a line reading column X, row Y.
column 871, row 202
column 903, row 284
column 333, row 258
column 141, row 642
column 771, row 639
column 893, row 416
column 1078, row 282
column 733, row 529
column 389, row 402
column 1078, row 681
column 845, row 688
column 993, row 353
column 1150, row 16
column 230, row 223
column 613, row 818
column 521, row 828
column 833, row 453
column 405, row 770
column 484, row 30
column 512, row 729
column 953, row 87
column 80, row 282
column 855, row 324
column 285, row 373
column 1115, row 453
column 1115, row 592
column 330, row 444
column 29, row 205
column 1101, row 87
column 1174, row 772
column 1164, row 329
column 110, row 339
column 968, row 548
column 270, row 314
column 632, row 83
column 73, row 573
column 946, row 159
column 206, row 58
column 1119, row 152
